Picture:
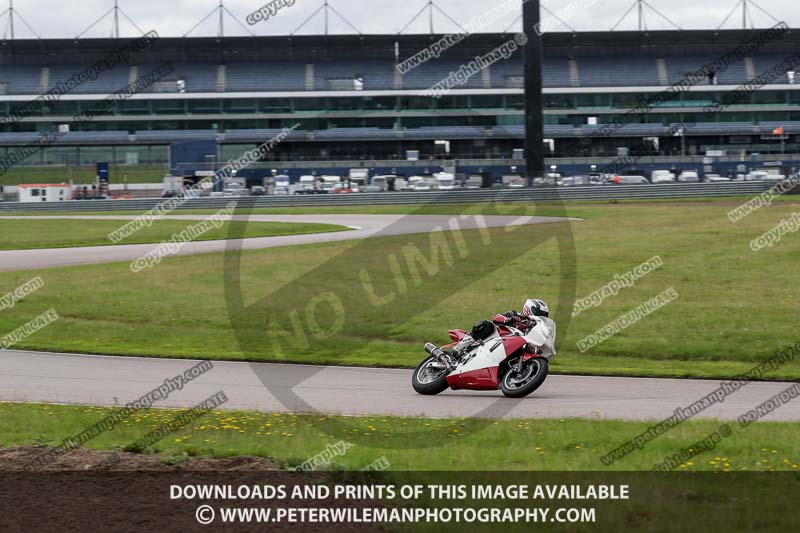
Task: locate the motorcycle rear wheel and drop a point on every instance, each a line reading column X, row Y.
column 519, row 384
column 429, row 381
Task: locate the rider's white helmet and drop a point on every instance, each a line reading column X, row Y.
column 534, row 307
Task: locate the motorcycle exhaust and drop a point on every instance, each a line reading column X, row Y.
column 433, row 350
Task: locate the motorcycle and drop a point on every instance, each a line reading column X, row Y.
column 512, row 357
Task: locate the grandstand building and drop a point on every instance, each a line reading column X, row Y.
column 350, row 102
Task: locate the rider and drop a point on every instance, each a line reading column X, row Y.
column 533, row 308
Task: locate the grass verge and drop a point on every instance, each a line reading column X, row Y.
column 31, row 234
column 83, row 174
column 412, row 443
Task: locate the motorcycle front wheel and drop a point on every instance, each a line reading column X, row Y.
column 519, row 383
column 428, row 378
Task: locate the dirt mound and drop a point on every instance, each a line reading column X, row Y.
column 15, row 459
column 87, row 490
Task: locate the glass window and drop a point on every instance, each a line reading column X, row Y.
column 274, row 105
column 306, row 124
column 90, row 154
column 97, row 108
column 344, row 104
column 381, row 103
column 203, row 106
column 168, row 107
column 309, row 104
column 245, row 124
column 66, row 107
column 413, row 103
column 134, row 107
column 620, row 100
column 58, row 155
column 769, row 97
column 558, row 101
column 240, row 105
column 452, row 102
column 491, row 101
column 516, row 101
column 345, row 123
column 767, row 116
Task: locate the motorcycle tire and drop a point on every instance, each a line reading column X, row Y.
column 425, row 387
column 533, row 382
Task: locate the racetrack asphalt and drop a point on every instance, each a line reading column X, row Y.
column 267, row 387
column 109, row 381
column 363, row 226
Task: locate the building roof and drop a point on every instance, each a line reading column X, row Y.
column 301, row 48
column 39, row 185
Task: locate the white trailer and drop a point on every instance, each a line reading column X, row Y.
column 45, row 192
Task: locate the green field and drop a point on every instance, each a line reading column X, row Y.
column 455, row 444
column 735, row 306
column 83, row 174
column 30, row 234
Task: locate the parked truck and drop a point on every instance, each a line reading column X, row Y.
column 329, row 183
column 359, row 177
column 306, row 185
column 444, row 181
column 474, row 182
column 173, row 185
column 281, row 185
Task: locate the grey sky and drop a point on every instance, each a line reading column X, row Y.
column 51, row 18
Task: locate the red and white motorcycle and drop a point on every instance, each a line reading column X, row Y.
column 513, row 358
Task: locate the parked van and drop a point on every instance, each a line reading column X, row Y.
column 662, row 176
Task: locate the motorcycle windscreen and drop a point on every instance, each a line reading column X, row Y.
column 543, row 335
